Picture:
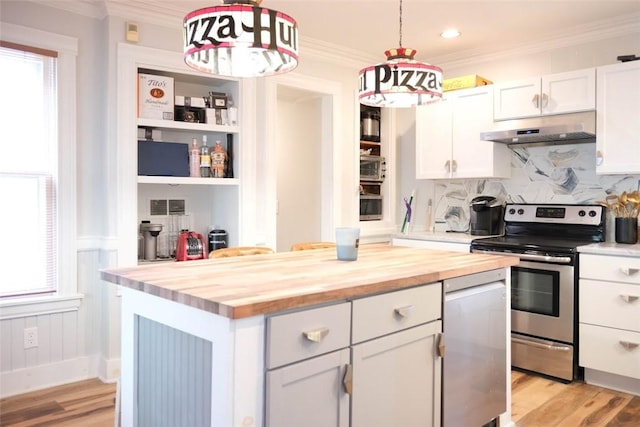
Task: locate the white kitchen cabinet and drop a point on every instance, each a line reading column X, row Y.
column 617, row 126
column 448, row 141
column 207, row 201
column 610, row 321
column 561, row 93
column 317, row 370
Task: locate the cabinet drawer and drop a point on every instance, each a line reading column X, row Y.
column 611, row 268
column 602, row 349
column 303, row 334
column 610, row 304
column 386, row 313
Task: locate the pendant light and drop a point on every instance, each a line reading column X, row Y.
column 400, row 81
column 240, row 39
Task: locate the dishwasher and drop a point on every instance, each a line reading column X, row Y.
column 475, row 349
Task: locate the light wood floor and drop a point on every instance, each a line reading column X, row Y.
column 536, row 402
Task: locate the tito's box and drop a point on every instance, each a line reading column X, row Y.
column 155, row 97
column 464, row 82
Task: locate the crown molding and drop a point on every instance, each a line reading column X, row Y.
column 170, row 15
column 582, row 34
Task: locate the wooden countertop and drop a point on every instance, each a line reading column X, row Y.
column 260, row 284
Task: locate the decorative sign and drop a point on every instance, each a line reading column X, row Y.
column 400, row 81
column 240, row 40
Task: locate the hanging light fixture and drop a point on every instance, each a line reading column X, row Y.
column 240, row 39
column 400, row 81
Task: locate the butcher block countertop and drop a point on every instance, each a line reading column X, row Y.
column 260, row 284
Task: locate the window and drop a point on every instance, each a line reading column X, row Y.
column 37, row 167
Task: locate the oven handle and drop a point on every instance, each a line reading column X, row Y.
column 543, row 345
column 528, row 257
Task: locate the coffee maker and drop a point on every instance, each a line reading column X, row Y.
column 486, row 216
column 150, row 234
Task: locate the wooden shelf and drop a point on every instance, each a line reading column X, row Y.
column 186, row 180
column 198, row 127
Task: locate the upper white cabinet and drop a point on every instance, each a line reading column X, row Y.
column 448, row 141
column 618, row 124
column 560, row 93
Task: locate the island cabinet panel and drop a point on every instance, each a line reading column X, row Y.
column 309, row 393
column 397, row 379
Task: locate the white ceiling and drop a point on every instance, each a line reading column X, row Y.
column 369, row 27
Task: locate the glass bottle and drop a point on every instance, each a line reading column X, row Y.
column 205, row 159
column 194, row 159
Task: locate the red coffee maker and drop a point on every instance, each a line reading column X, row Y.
column 191, row 245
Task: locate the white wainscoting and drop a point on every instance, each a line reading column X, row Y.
column 73, row 344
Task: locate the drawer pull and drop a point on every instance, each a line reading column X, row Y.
column 629, row 345
column 441, row 345
column 316, row 335
column 347, row 380
column 404, row 311
column 629, row 271
column 629, row 298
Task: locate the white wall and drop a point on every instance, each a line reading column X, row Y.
column 298, row 169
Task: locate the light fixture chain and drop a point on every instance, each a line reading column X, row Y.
column 400, row 41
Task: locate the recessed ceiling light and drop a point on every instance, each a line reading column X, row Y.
column 450, row 33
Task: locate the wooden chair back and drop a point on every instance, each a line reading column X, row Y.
column 240, row 251
column 303, row 246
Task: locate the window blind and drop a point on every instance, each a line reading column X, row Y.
column 28, row 170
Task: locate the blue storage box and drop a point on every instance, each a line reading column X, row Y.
column 163, row 158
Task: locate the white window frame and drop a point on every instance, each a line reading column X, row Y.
column 67, row 297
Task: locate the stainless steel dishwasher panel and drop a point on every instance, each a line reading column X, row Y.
column 475, row 355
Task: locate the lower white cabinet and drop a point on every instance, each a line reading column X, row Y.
column 397, row 378
column 309, row 393
column 368, row 362
column 610, row 320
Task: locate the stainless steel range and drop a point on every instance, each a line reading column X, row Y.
column 544, row 285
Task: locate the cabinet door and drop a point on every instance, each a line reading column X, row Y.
column 309, row 393
column 433, row 140
column 517, row 99
column 397, row 378
column 472, row 113
column 569, row 92
column 618, row 127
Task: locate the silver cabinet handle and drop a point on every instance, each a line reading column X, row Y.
column 441, row 345
column 629, row 345
column 347, row 380
column 404, row 311
column 629, row 298
column 536, row 100
column 447, row 166
column 545, row 100
column 316, row 335
column 629, row 271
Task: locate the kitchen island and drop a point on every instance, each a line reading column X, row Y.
column 197, row 341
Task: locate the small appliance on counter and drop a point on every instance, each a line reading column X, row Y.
column 190, row 246
column 218, row 239
column 150, row 234
column 486, row 216
column 370, row 125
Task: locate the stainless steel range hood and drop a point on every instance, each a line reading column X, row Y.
column 559, row 129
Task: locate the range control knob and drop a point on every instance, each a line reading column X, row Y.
column 581, row 213
column 592, row 213
column 520, row 211
column 512, row 211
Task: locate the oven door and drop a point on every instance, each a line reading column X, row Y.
column 542, row 300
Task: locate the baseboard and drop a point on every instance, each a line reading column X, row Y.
column 612, row 381
column 109, row 370
column 43, row 376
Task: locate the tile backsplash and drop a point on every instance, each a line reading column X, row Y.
column 539, row 174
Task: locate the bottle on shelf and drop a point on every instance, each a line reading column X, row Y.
column 218, row 160
column 194, row 159
column 228, row 170
column 205, row 159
